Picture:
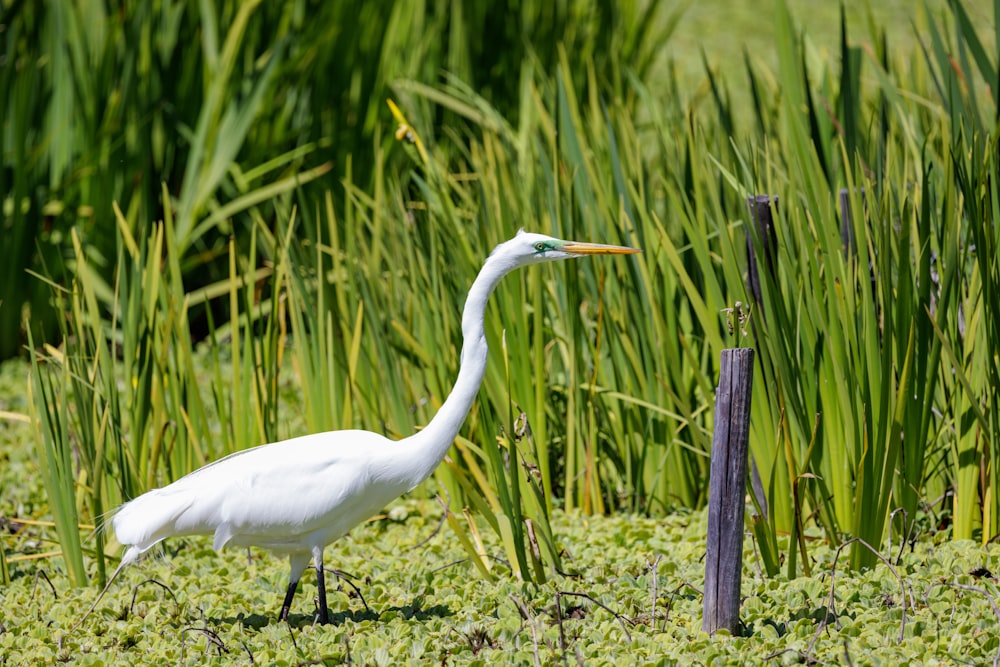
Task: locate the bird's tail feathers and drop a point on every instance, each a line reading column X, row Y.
column 103, row 523
column 148, row 519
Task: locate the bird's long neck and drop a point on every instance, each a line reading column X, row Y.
column 430, row 445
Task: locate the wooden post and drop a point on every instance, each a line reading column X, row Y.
column 727, row 492
column 760, row 211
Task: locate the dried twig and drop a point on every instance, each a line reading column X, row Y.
column 213, row 640
column 652, row 609
column 971, row 589
column 249, row 653
column 831, row 609
column 908, row 539
column 41, row 573
column 444, row 517
column 451, row 564
column 526, row 614
column 756, row 554
column 466, row 560
column 621, row 619
column 135, row 592
column 802, row 657
column 673, row 594
column 344, row 576
column 562, row 632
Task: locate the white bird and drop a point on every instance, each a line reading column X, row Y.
column 296, row 496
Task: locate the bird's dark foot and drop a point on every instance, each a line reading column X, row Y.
column 287, row 603
column 323, row 616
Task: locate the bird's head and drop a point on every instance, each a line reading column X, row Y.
column 529, row 248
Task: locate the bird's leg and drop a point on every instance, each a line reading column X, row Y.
column 324, row 614
column 289, row 594
column 297, row 562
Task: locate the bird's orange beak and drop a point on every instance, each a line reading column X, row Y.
column 598, row 249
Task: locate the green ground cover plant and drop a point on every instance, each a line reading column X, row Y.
column 224, row 252
column 630, row 592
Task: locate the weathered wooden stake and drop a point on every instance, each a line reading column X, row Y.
column 760, row 211
column 727, row 492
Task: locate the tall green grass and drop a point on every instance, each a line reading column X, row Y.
column 119, row 405
column 848, row 328
column 230, row 104
column 875, row 325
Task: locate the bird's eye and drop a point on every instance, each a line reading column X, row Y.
column 540, row 246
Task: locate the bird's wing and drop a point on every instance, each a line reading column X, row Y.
column 280, row 492
column 274, row 495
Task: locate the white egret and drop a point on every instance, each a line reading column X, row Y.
column 296, row 496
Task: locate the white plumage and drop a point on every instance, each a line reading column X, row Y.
column 246, row 498
column 296, row 496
